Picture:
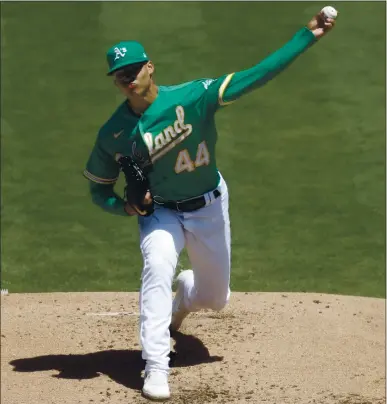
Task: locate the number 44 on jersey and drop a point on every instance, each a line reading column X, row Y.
column 185, row 163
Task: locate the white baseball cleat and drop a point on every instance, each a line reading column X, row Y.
column 156, row 386
column 179, row 312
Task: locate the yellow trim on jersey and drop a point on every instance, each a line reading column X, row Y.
column 99, row 180
column 222, row 89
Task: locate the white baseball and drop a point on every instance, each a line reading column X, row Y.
column 329, row 12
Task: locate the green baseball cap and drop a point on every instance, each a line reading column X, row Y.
column 125, row 53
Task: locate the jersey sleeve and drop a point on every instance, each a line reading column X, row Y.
column 103, row 171
column 212, row 89
column 228, row 88
column 101, row 166
column 105, row 197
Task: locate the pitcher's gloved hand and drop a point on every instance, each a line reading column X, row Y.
column 148, row 200
column 137, row 195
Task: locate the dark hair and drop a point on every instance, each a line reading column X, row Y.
column 128, row 74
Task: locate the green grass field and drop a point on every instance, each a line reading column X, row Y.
column 304, row 156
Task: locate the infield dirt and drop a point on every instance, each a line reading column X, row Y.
column 264, row 348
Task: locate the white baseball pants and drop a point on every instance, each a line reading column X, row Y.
column 206, row 235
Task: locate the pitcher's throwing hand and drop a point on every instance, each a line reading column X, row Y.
column 323, row 22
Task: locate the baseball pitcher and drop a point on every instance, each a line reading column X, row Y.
column 163, row 139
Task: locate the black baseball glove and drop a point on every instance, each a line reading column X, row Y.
column 137, row 185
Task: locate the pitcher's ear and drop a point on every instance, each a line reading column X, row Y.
column 150, row 67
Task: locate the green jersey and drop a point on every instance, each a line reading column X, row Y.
column 174, row 140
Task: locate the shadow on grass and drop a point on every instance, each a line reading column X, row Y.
column 122, row 366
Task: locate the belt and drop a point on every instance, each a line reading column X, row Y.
column 189, row 205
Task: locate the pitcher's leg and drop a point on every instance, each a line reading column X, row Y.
column 162, row 240
column 208, row 242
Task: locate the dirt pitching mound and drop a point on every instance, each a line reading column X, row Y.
column 280, row 348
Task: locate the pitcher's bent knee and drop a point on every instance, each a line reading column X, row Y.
column 220, row 302
column 159, row 267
